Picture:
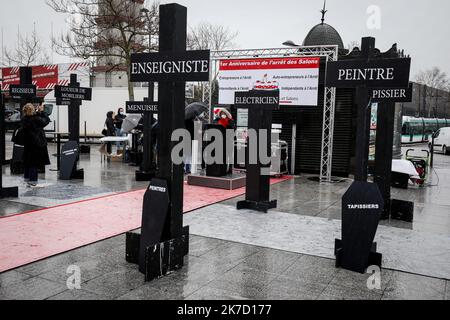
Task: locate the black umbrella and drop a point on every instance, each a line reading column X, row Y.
column 195, row 109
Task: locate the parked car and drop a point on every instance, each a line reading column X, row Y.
column 442, row 141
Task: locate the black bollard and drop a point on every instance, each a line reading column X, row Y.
column 260, row 105
column 147, row 168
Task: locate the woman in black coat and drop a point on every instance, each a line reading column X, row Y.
column 35, row 153
column 110, row 129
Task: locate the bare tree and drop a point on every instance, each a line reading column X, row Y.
column 213, row 37
column 210, row 36
column 434, row 78
column 108, row 32
column 29, row 51
column 436, row 83
column 353, row 44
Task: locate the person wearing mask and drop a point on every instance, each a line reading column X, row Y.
column 118, row 121
column 110, row 129
column 225, row 120
column 35, row 153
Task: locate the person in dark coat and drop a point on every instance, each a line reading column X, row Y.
column 110, row 129
column 118, row 121
column 35, row 153
column 190, row 126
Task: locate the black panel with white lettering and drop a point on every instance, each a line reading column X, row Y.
column 392, row 94
column 22, row 91
column 73, row 93
column 380, row 73
column 247, row 99
column 183, row 66
column 139, row 107
column 62, row 102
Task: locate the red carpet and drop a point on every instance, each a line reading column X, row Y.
column 36, row 235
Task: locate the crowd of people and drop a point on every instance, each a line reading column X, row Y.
column 113, row 127
column 31, row 136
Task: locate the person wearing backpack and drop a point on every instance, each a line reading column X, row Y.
column 35, row 153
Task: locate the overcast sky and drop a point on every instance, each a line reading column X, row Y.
column 421, row 27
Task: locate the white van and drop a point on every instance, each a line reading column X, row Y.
column 442, row 140
column 92, row 113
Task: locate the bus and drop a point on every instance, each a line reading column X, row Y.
column 420, row 130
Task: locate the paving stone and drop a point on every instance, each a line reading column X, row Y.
column 358, row 281
column 335, row 292
column 12, row 277
column 312, row 269
column 75, row 295
column 199, row 246
column 404, row 286
column 230, row 253
column 283, row 288
column 245, row 282
column 170, row 287
column 46, row 265
column 269, row 260
column 90, row 269
column 447, row 290
column 31, row 289
column 146, row 293
column 201, row 271
column 8, row 208
column 65, row 191
column 115, row 284
column 208, row 293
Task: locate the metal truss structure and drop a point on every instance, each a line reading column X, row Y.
column 330, row 53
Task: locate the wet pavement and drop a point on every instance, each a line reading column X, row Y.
column 100, row 179
column 220, row 268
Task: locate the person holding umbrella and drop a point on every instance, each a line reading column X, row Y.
column 194, row 112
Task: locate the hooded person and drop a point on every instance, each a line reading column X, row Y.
column 109, row 124
column 118, row 121
column 110, row 129
column 225, row 119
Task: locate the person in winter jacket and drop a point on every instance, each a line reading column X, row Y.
column 35, row 153
column 110, row 129
column 118, row 121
